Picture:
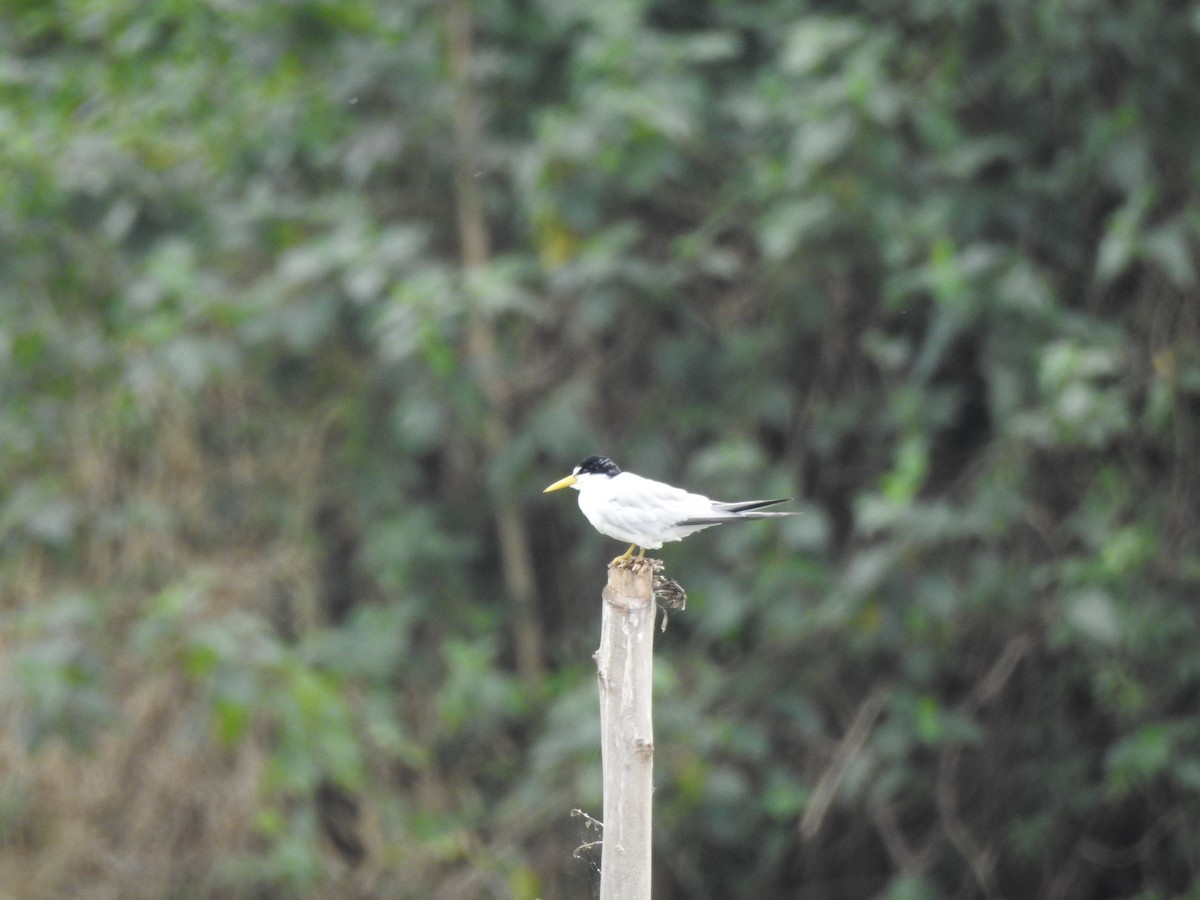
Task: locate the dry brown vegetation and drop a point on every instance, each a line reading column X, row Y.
column 154, row 804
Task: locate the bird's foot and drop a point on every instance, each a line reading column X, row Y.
column 636, row 563
column 625, row 558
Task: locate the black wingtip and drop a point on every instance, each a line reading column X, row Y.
column 738, row 517
column 747, row 505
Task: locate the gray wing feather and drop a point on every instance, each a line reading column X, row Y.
column 656, row 499
column 744, row 505
column 735, row 517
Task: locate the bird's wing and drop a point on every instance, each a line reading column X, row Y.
column 738, row 511
column 653, row 504
column 735, row 517
column 745, row 505
column 650, row 506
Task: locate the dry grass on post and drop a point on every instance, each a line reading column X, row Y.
column 624, row 669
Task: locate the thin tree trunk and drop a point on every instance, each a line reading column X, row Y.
column 512, row 533
column 625, row 667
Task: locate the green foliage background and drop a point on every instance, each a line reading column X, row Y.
column 282, row 611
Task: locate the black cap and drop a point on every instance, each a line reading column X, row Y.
column 597, row 465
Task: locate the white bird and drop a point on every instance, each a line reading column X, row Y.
column 648, row 513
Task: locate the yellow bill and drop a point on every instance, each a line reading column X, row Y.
column 560, row 484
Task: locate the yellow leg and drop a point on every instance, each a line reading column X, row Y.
column 641, row 552
column 624, row 556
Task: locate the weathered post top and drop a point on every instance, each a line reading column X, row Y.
column 630, row 583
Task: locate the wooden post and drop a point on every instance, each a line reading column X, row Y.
column 624, row 668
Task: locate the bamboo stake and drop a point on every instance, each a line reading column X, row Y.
column 624, row 668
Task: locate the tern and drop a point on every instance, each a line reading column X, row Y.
column 648, row 513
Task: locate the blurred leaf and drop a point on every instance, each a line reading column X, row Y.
column 1093, row 614
column 1142, row 755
